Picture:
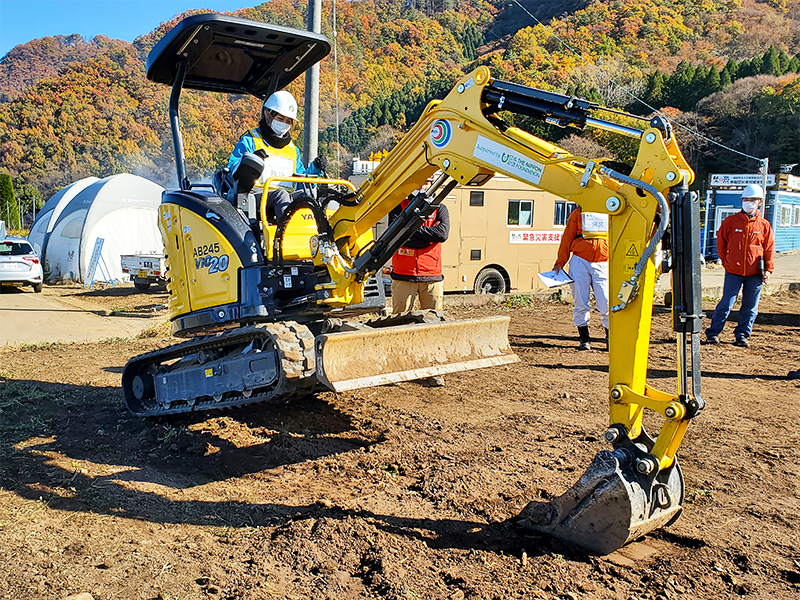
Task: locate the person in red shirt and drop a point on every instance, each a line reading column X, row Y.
column 586, row 238
column 746, row 246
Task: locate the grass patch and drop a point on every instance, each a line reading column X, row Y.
column 160, row 329
column 519, row 301
column 41, row 346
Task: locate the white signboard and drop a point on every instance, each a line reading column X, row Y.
column 98, row 249
column 726, row 180
column 594, row 222
column 534, row 237
column 508, row 160
column 793, row 182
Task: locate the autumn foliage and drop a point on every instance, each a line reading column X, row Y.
column 70, row 108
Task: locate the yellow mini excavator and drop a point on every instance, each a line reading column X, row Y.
column 265, row 305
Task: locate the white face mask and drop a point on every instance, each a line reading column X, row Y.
column 280, row 129
column 749, row 206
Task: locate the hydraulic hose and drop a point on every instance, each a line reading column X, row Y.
column 662, row 223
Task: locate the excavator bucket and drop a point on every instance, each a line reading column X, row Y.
column 610, row 505
column 348, row 360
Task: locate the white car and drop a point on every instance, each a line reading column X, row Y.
column 19, row 264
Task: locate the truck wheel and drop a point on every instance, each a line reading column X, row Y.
column 490, row 281
column 141, row 284
column 37, row 287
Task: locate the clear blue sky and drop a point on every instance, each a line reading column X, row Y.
column 25, row 20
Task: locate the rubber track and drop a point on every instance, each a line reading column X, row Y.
column 293, row 342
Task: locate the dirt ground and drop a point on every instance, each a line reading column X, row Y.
column 400, row 492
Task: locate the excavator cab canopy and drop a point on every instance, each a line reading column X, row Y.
column 234, row 56
column 218, row 53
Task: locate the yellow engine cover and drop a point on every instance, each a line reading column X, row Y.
column 203, row 266
column 296, row 237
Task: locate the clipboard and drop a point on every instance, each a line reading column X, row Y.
column 552, row 279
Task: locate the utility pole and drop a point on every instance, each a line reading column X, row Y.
column 311, row 119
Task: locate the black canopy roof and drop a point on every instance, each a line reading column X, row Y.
column 235, row 56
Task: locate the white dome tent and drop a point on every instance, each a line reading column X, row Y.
column 48, row 215
column 121, row 209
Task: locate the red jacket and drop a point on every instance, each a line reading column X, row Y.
column 572, row 241
column 420, row 259
column 742, row 241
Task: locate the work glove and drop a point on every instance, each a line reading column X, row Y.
column 321, row 163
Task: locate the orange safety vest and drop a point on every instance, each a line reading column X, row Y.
column 573, row 242
column 425, row 263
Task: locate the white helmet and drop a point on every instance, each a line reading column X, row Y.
column 753, row 190
column 282, row 103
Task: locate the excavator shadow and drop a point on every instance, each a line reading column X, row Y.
column 67, row 425
column 69, row 446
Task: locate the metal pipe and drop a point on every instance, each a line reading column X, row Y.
column 175, row 125
column 616, row 128
column 311, row 103
column 683, row 383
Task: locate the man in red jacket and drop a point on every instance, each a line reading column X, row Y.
column 746, row 246
column 586, row 238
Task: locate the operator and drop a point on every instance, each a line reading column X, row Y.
column 417, row 266
column 273, row 143
column 746, row 246
column 586, row 238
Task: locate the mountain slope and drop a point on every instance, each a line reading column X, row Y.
column 69, row 108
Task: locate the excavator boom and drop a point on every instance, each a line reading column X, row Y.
column 637, row 486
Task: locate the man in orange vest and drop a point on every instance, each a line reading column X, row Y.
column 586, row 238
column 746, row 247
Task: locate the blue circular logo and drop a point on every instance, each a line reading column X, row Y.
column 441, row 133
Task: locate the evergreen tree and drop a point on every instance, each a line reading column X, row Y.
column 594, row 96
column 679, row 86
column 8, row 203
column 771, row 63
column 732, row 68
column 784, row 62
column 713, row 81
column 725, row 78
column 697, row 89
column 745, row 70
column 654, row 89
column 794, row 65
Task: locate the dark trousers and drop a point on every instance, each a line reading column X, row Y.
column 751, row 292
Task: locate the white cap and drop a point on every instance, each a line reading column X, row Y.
column 282, row 103
column 753, row 190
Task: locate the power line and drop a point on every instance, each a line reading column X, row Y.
column 631, row 94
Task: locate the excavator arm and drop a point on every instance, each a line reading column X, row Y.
column 637, row 486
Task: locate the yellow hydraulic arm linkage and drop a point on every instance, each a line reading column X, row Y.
column 637, row 486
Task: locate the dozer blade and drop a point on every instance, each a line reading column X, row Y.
column 610, row 505
column 349, row 360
